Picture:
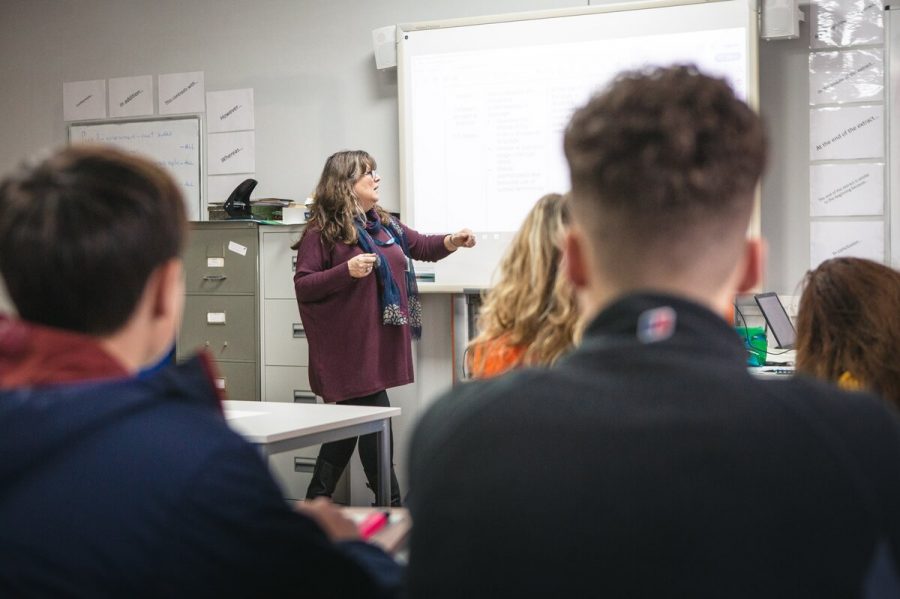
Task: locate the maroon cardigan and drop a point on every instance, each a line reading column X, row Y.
column 351, row 353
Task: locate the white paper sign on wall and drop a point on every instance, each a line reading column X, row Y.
column 181, row 93
column 131, row 96
column 84, row 100
column 230, row 110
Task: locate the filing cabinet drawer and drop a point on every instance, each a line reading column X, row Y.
column 279, row 264
column 285, row 339
column 224, row 325
column 221, row 261
column 293, row 471
column 289, row 384
column 238, row 380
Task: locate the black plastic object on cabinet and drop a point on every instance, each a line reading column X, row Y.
column 238, row 203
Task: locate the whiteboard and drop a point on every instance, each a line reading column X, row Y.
column 172, row 143
column 483, row 105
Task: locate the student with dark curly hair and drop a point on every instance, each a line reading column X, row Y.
column 649, row 462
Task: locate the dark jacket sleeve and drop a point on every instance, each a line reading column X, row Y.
column 878, row 458
column 863, row 433
column 236, row 515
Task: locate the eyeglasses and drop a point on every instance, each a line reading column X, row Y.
column 373, row 174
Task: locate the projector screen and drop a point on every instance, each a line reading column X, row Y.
column 483, row 104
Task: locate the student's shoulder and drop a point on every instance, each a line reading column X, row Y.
column 475, row 401
column 482, row 393
column 802, row 389
column 859, row 417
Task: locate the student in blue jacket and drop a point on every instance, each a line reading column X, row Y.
column 114, row 484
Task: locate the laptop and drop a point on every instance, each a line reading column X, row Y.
column 777, row 319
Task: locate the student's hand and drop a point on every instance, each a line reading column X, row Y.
column 329, row 518
column 461, row 239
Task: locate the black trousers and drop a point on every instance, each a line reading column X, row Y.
column 338, row 453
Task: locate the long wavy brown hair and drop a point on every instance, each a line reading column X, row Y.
column 532, row 304
column 849, row 321
column 335, row 205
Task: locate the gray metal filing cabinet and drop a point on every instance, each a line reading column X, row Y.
column 285, row 354
column 240, row 306
column 221, row 311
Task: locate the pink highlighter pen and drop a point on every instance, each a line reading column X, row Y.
column 372, row 524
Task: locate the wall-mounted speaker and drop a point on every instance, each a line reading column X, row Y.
column 384, row 41
column 781, row 20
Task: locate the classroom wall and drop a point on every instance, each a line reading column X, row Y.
column 312, row 69
column 311, row 66
column 784, row 104
column 309, row 62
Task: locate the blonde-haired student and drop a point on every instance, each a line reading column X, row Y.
column 530, row 317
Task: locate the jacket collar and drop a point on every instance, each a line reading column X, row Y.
column 42, row 422
column 655, row 319
column 33, row 355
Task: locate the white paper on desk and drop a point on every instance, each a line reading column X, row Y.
column 832, row 239
column 219, row 187
column 846, row 76
column 846, row 132
column 842, row 23
column 230, row 110
column 853, row 189
column 231, row 153
column 84, row 100
column 181, row 92
column 131, row 96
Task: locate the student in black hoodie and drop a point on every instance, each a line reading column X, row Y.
column 648, row 462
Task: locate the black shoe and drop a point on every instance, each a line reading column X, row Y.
column 324, row 480
column 396, row 500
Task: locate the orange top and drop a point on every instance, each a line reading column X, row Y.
column 849, row 382
column 493, row 358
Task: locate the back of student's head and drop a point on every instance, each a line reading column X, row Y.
column 664, row 164
column 81, row 232
column 848, row 325
column 531, row 305
column 534, row 252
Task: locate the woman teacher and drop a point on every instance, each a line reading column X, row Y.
column 358, row 301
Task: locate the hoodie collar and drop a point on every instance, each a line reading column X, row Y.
column 35, row 355
column 656, row 319
column 42, row 422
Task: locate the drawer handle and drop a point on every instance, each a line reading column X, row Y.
column 304, row 396
column 298, row 331
column 214, row 277
column 305, row 465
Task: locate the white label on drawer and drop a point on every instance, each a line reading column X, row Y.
column 215, row 318
column 215, row 263
column 220, row 384
column 237, row 248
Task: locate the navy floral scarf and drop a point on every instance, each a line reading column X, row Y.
column 392, row 312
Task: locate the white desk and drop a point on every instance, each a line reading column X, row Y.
column 275, row 427
column 771, row 372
